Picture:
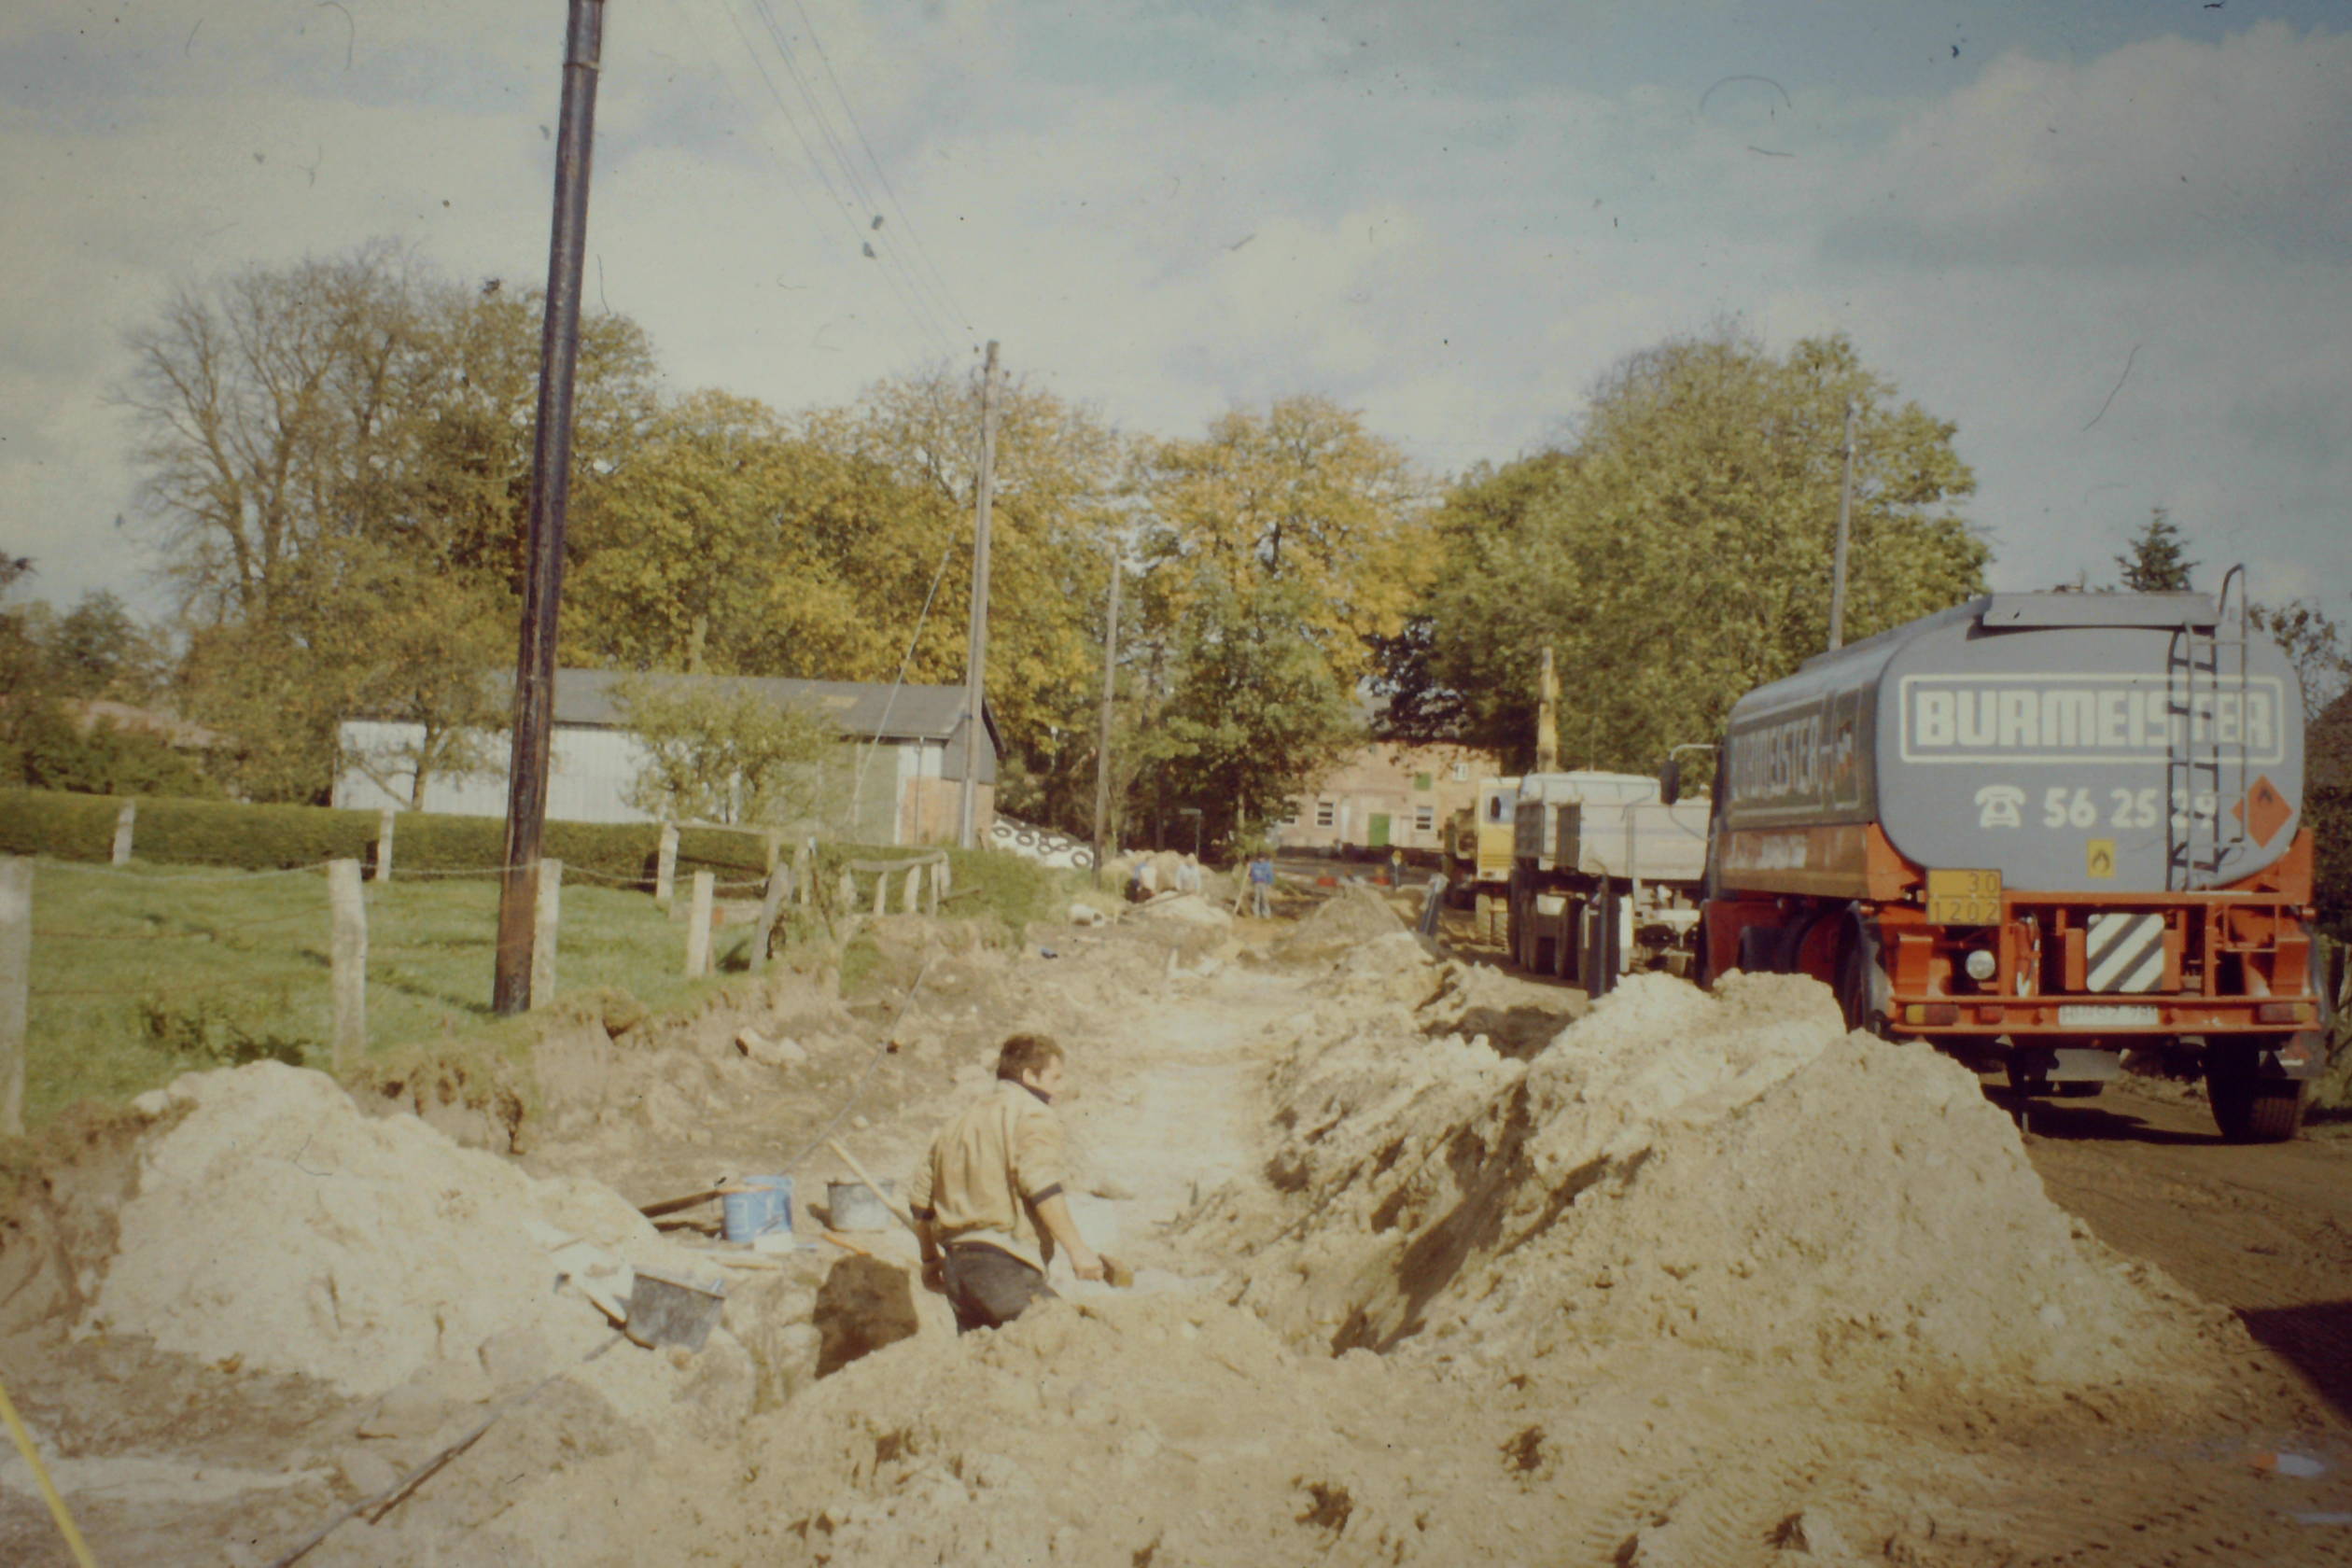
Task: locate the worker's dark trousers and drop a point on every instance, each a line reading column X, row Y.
column 988, row 1286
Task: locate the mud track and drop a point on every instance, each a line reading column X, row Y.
column 2264, row 1230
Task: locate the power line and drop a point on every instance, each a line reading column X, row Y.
column 921, row 250
column 816, row 165
column 856, row 181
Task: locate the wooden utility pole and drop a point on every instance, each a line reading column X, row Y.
column 976, row 667
column 1102, row 749
column 1845, row 523
column 550, row 492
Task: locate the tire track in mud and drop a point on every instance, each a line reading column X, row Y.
column 2262, row 1229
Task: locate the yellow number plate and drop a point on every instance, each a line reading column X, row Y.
column 1963, row 898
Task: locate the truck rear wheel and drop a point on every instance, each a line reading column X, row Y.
column 1566, row 942
column 2251, row 1110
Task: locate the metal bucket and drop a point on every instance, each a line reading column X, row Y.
column 855, row 1206
column 743, row 1213
column 779, row 1214
column 665, row 1309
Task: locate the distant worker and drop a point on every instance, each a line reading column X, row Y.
column 988, row 1199
column 1262, row 885
column 1188, row 876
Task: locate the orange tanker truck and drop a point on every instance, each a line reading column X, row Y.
column 2035, row 831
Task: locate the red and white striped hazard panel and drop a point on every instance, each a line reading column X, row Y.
column 2125, row 952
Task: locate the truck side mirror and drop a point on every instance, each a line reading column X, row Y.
column 1670, row 781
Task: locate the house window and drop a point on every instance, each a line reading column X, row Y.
column 1461, row 773
column 1290, row 814
column 1424, row 818
column 1422, row 781
column 1326, row 814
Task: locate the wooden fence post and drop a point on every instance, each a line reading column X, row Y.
column 15, row 982
column 779, row 885
column 698, row 927
column 384, row 821
column 545, row 919
column 125, row 819
column 665, row 869
column 349, row 970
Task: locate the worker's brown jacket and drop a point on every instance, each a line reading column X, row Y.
column 989, row 1169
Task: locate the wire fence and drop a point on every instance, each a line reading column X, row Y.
column 122, row 972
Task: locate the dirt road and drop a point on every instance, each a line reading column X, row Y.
column 2264, row 1230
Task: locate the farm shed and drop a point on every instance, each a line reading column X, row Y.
column 898, row 781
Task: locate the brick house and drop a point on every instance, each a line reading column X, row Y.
column 1387, row 795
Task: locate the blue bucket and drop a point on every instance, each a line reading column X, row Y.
column 779, row 1192
column 742, row 1212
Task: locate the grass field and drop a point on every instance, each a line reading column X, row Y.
column 139, row 975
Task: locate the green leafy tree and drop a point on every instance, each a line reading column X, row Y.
column 2313, row 645
column 328, row 446
column 2154, row 561
column 98, row 648
column 1254, row 707
column 1677, row 553
column 719, row 751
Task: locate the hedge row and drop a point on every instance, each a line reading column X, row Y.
column 173, row 832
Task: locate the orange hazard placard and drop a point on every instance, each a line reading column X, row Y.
column 2263, row 811
column 1963, row 898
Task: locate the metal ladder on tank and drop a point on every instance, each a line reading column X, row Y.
column 2204, row 663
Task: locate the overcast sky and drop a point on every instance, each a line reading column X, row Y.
column 2112, row 242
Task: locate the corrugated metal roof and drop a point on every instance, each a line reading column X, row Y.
column 587, row 697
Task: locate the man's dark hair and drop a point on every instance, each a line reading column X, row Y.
column 1026, row 1053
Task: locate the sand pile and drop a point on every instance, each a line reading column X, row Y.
column 1732, row 1172
column 278, row 1225
column 1355, row 914
column 1154, row 1429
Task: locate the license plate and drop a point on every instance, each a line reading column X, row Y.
column 1963, row 898
column 2099, row 1015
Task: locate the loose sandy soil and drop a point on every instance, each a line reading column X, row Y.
column 1425, row 1275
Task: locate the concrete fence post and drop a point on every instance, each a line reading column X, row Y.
column 546, row 918
column 912, row 899
column 804, row 861
column 848, row 893
column 779, row 886
column 698, row 927
column 348, row 969
column 938, row 874
column 773, row 841
column 385, row 827
column 16, row 987
column 125, row 821
column 881, row 892
column 665, row 868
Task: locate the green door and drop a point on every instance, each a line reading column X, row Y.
column 1379, row 830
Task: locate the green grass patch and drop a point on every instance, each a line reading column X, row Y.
column 142, row 974
column 139, row 978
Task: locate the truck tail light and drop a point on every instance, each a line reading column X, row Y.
column 1931, row 1015
column 2279, row 1012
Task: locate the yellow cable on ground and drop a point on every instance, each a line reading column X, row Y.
column 40, row 1473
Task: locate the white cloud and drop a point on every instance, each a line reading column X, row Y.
column 1440, row 240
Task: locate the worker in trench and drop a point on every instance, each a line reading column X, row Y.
column 987, row 1200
